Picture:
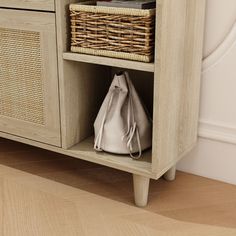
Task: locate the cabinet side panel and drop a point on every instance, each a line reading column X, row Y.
column 62, row 21
column 81, row 85
column 177, row 80
column 190, row 95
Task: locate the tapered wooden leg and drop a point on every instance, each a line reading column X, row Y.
column 170, row 174
column 141, row 188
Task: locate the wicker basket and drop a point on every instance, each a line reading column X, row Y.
column 113, row 32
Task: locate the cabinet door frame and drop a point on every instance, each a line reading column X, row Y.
column 44, row 23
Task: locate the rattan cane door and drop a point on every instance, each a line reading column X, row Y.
column 29, row 101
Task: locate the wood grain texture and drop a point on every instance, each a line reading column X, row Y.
column 170, row 175
column 82, row 86
column 42, row 24
column 84, row 150
column 44, row 5
column 127, row 64
column 141, row 190
column 43, row 193
column 177, row 80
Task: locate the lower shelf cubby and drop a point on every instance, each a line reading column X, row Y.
column 91, row 85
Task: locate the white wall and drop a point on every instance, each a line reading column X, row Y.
column 215, row 155
column 220, row 17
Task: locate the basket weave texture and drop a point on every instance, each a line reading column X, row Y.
column 113, row 32
column 21, row 76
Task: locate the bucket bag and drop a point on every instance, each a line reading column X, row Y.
column 123, row 125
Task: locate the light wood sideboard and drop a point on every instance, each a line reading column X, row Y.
column 49, row 97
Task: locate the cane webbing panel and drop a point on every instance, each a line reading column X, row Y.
column 21, row 83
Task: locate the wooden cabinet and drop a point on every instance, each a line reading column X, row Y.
column 42, row 5
column 29, row 100
column 170, row 87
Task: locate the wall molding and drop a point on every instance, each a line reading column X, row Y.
column 221, row 51
column 217, row 131
column 210, row 129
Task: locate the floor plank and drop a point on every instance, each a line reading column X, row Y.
column 43, row 193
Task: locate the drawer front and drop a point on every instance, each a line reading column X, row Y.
column 42, row 5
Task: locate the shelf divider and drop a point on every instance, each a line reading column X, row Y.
column 107, row 61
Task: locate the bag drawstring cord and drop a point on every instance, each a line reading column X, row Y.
column 132, row 129
column 98, row 140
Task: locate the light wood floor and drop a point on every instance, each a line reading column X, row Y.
column 43, row 193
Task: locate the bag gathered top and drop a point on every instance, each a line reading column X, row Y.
column 122, row 125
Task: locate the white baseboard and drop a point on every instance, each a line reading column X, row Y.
column 215, row 155
column 217, row 131
column 211, row 159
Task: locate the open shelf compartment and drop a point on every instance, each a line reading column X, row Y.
column 87, row 94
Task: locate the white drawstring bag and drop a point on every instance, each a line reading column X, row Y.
column 122, row 125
